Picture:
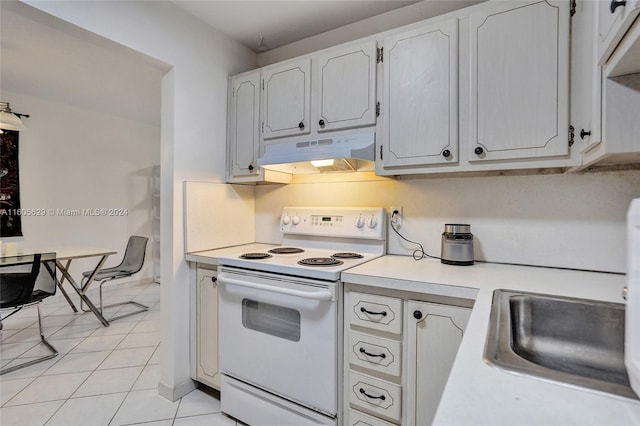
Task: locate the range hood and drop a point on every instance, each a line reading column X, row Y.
column 347, row 151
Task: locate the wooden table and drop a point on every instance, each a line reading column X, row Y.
column 63, row 262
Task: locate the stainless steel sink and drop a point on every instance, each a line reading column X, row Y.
column 575, row 341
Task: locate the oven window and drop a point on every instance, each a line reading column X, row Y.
column 271, row 319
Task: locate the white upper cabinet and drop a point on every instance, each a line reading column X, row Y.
column 286, row 99
column 345, row 94
column 419, row 103
column 244, row 125
column 519, row 81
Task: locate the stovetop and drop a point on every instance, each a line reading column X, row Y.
column 319, row 243
column 289, row 264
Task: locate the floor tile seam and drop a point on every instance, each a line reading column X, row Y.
column 36, row 343
column 100, row 337
column 64, row 403
column 97, row 394
column 43, row 373
column 116, row 349
column 34, row 402
column 71, row 372
column 21, row 389
column 127, row 424
column 108, row 393
column 94, row 370
column 137, row 347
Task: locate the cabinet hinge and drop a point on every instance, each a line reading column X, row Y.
column 262, row 127
column 571, row 135
column 572, row 9
column 262, row 84
column 380, row 55
column 233, row 92
column 378, row 109
column 380, row 152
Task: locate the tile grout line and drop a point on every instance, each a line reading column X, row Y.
column 81, row 340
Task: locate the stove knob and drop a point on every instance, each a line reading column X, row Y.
column 372, row 222
column 286, row 219
column 359, row 222
column 295, row 220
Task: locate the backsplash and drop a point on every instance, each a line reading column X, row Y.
column 572, row 221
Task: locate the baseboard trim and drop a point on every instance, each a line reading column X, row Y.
column 175, row 393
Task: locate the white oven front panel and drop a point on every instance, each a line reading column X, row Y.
column 280, row 333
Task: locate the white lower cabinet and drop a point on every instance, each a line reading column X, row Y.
column 207, row 370
column 397, row 363
column 434, row 333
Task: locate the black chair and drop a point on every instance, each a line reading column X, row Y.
column 24, row 283
column 131, row 264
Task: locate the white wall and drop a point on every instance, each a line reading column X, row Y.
column 574, row 221
column 395, row 18
column 193, row 134
column 74, row 158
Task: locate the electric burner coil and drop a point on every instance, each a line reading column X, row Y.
column 347, row 255
column 255, row 256
column 286, row 250
column 320, row 261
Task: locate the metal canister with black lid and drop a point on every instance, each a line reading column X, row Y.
column 457, row 244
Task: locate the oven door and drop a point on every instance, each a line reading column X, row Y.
column 280, row 333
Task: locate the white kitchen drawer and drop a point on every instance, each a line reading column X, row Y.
column 357, row 418
column 375, row 396
column 375, row 353
column 376, row 312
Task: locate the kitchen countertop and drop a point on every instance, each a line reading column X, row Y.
column 210, row 257
column 477, row 393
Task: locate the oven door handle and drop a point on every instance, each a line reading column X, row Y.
column 314, row 295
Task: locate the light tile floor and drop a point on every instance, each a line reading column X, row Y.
column 102, row 375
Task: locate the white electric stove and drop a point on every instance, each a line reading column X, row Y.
column 319, row 242
column 280, row 312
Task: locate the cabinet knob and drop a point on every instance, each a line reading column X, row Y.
column 301, row 125
column 479, row 150
column 250, row 167
column 214, row 279
column 446, row 153
column 321, row 123
column 417, row 315
column 617, row 3
column 583, row 133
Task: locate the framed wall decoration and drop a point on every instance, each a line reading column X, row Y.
column 10, row 218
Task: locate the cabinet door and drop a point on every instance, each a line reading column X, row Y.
column 244, row 125
column 519, row 81
column 207, row 328
column 346, row 86
column 614, row 18
column 434, row 335
column 286, row 99
column 419, row 105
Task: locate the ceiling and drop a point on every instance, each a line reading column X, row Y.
column 277, row 23
column 45, row 57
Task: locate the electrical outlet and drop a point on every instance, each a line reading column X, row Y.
column 396, row 219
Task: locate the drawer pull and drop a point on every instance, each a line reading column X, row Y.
column 383, row 313
column 364, row 351
column 364, row 392
column 615, row 4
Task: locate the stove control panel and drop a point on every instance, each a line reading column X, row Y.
column 344, row 222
